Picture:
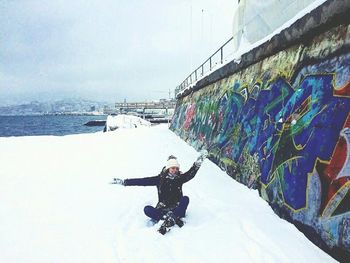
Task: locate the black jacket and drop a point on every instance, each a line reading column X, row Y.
column 169, row 190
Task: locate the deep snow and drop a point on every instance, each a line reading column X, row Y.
column 57, row 205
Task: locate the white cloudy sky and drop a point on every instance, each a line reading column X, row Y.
column 106, row 49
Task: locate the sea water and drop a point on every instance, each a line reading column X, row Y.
column 57, row 125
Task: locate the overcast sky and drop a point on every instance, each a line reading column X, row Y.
column 107, row 50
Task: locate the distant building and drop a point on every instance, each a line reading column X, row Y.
column 109, row 110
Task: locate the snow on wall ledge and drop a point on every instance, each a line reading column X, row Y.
column 281, row 125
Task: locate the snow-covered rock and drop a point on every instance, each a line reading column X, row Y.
column 125, row 122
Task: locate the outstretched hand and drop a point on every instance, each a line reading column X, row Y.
column 201, row 158
column 117, row 181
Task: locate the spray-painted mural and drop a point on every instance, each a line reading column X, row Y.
column 282, row 125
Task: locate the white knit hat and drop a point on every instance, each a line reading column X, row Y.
column 172, row 163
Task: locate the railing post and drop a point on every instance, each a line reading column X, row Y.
column 222, row 54
column 184, row 84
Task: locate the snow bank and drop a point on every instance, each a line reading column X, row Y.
column 259, row 12
column 57, row 205
column 125, row 122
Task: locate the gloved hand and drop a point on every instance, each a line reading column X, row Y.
column 200, row 159
column 118, row 181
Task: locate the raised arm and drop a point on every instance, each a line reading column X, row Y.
column 189, row 174
column 146, row 181
column 195, row 167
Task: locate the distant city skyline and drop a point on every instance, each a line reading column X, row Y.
column 107, row 50
column 52, row 107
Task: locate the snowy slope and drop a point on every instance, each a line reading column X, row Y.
column 57, row 206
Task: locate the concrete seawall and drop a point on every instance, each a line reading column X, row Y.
column 279, row 122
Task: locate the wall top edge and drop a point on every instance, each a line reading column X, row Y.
column 330, row 14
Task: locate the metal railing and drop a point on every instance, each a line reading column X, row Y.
column 222, row 56
column 217, row 58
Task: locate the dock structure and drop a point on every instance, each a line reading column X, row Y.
column 155, row 112
column 163, row 104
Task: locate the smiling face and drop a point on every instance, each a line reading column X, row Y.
column 173, row 170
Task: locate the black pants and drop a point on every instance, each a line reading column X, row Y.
column 158, row 213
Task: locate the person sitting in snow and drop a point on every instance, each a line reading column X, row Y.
column 172, row 204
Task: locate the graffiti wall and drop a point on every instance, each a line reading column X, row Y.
column 282, row 126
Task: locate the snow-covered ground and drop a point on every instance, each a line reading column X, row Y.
column 56, row 205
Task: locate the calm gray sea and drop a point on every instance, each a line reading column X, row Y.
column 58, row 125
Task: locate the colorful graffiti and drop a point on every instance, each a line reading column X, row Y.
column 284, row 130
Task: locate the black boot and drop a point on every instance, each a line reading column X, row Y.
column 179, row 222
column 169, row 221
